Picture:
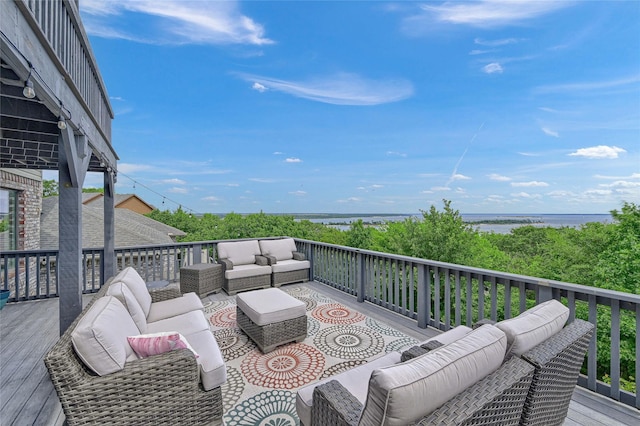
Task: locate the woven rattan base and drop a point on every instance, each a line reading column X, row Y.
column 231, row 287
column 201, row 278
column 269, row 336
column 280, row 278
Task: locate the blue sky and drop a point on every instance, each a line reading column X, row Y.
column 356, row 106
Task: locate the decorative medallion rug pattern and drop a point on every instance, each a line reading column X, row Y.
column 261, row 388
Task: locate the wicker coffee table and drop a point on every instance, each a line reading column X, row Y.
column 271, row 317
column 201, row 278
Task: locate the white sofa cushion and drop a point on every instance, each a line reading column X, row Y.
column 534, row 325
column 185, row 324
column 244, row 271
column 290, row 265
column 270, row 305
column 432, row 379
column 213, row 372
column 122, row 292
column 100, row 337
column 239, row 252
column 355, row 380
column 176, row 306
column 449, row 336
column 281, row 249
column 138, row 287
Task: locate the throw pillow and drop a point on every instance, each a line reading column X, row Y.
column 145, row 345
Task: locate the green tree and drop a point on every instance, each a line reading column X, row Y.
column 49, row 188
column 359, row 235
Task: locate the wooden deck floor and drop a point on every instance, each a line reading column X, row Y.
column 29, row 329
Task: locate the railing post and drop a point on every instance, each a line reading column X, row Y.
column 360, row 277
column 545, row 292
column 311, row 262
column 197, row 253
column 422, row 297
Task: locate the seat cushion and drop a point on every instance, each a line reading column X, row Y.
column 100, row 337
column 172, row 307
column 185, row 324
column 432, row 379
column 280, row 249
column 138, row 287
column 534, row 326
column 355, row 379
column 122, row 292
column 213, row 372
column 270, row 306
column 245, row 271
column 239, row 252
column 290, row 265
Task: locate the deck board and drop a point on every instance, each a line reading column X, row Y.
column 28, row 329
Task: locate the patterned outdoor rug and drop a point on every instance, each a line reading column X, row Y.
column 261, row 389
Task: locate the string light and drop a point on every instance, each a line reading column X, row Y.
column 164, row 197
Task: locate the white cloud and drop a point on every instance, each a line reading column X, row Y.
column 340, row 89
column 492, row 68
column 632, row 176
column 259, row 87
column 498, row 178
column 561, row 194
column 350, row 200
column 293, row 160
column 298, row 193
column 598, row 152
column 458, row 176
column 376, row 186
column 475, row 52
column 174, row 181
column 586, row 87
column 532, row 184
column 211, row 198
column 177, row 190
column 262, row 180
column 278, row 153
column 495, row 43
column 492, row 13
column 398, row 154
column 525, row 195
column 598, row 192
column 550, row 132
column 621, row 184
column 441, row 188
column 426, row 191
column 174, row 22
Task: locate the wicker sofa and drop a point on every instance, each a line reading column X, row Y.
column 175, row 387
column 287, row 264
column 543, row 356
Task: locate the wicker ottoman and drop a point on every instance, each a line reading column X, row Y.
column 271, row 317
column 201, row 278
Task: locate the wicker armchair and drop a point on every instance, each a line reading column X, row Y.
column 288, row 265
column 496, row 399
column 243, row 266
column 159, row 390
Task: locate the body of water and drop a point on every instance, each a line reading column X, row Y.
column 537, row 220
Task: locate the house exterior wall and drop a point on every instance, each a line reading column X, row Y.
column 28, row 183
column 134, row 204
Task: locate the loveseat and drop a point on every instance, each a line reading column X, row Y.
column 138, row 357
column 243, row 266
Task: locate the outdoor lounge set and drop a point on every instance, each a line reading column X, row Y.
column 139, row 357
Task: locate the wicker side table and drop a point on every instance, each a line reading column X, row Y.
column 201, row 278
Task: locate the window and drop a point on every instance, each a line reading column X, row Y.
column 8, row 219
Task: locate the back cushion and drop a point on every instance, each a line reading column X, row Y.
column 138, row 287
column 121, row 291
column 100, row 337
column 534, row 326
column 281, row 249
column 239, row 252
column 404, row 393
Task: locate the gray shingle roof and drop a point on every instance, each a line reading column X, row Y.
column 131, row 228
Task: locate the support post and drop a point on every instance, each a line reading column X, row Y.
column 109, row 258
column 360, row 277
column 423, row 314
column 71, row 178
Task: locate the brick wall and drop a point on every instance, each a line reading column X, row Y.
column 29, row 187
